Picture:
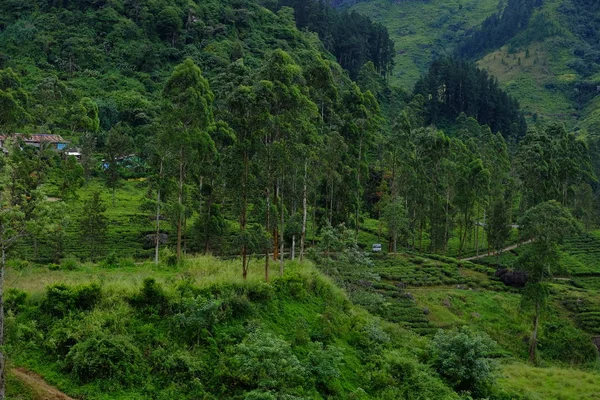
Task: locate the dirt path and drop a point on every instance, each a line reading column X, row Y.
column 509, row 248
column 38, row 385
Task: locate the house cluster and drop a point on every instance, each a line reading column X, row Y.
column 40, row 140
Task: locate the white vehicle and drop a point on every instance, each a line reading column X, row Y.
column 377, row 247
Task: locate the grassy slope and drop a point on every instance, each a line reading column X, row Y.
column 551, row 383
column 301, row 308
column 531, row 80
column 423, row 29
column 434, row 293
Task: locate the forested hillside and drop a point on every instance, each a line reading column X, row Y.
column 263, row 200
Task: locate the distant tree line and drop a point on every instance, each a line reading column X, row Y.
column 353, row 38
column 499, row 28
column 452, row 86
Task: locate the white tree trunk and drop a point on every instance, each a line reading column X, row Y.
column 304, row 212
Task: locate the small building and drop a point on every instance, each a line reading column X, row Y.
column 37, row 140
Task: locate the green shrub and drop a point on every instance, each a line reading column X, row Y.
column 14, row 300
column 197, row 317
column 263, row 361
column 105, row 356
column 111, row 261
column 259, row 291
column 461, row 357
column 151, row 298
column 53, row 267
column 69, row 263
column 565, row 343
column 88, row 296
column 127, row 262
column 18, row 264
column 178, row 365
column 412, row 380
column 168, row 257
column 324, row 365
column 61, row 299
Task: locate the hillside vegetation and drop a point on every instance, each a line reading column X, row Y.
column 202, row 332
column 249, row 207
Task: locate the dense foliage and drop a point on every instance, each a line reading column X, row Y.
column 241, row 135
column 353, row 38
column 297, row 338
column 452, row 86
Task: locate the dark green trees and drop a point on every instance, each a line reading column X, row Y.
column 187, row 116
column 452, row 87
column 13, row 101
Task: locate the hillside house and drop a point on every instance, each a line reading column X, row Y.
column 37, row 140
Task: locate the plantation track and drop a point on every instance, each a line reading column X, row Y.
column 509, row 248
column 39, row 386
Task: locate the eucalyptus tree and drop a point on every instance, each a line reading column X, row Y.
column 19, row 203
column 290, row 116
column 551, row 162
column 159, row 181
column 429, row 194
column 546, row 225
column 209, row 179
column 362, row 123
column 473, row 180
column 241, row 161
column 187, row 116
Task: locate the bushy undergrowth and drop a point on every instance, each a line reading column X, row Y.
column 296, row 338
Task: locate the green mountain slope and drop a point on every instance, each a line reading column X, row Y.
column 551, row 65
column 424, row 30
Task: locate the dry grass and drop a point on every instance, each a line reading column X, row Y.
column 203, row 270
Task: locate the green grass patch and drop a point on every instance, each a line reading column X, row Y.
column 550, row 383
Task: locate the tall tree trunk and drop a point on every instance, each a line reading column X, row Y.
column 421, row 235
column 293, row 255
column 209, row 203
column 314, row 218
column 534, row 334
column 243, row 220
column 157, row 233
column 360, row 146
column 281, row 230
column 180, row 203
column 2, row 359
column 304, row 213
column 267, row 227
column 477, row 234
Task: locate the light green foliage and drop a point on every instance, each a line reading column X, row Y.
column 462, row 357
column 269, row 363
column 395, row 216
